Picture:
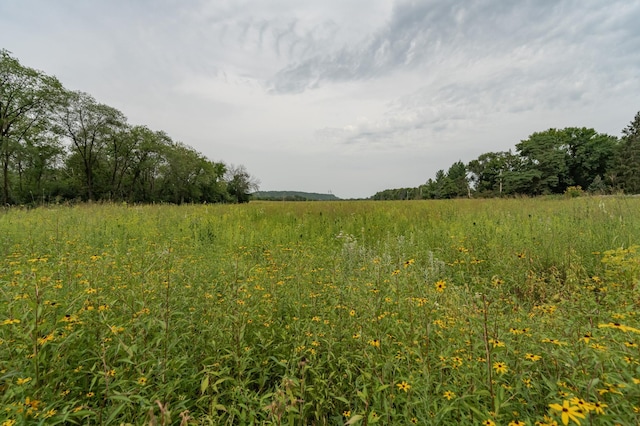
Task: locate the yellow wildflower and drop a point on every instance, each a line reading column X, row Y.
column 568, row 412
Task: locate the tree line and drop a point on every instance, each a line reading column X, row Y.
column 555, row 161
column 59, row 145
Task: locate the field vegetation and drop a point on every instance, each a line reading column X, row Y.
column 491, row 312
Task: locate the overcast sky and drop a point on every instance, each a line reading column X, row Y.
column 347, row 96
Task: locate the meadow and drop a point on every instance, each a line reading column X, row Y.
column 478, row 312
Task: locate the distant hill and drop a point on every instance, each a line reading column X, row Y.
column 292, row 196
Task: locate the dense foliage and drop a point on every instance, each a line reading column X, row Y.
column 555, row 161
column 494, row 312
column 58, row 145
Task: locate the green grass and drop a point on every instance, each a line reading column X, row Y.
column 438, row 312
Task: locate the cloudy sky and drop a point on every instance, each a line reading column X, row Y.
column 344, row 96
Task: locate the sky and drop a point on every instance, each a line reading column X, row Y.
column 348, row 97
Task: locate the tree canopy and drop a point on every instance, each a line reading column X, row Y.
column 553, row 161
column 58, row 145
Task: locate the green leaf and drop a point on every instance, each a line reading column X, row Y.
column 204, row 384
column 382, row 387
column 354, row 419
column 342, row 399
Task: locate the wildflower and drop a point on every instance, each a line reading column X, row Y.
column 568, row 412
column 116, row 329
column 90, row 394
column 586, row 338
column 586, row 406
column 532, row 357
column 449, row 395
column 22, row 381
column 619, row 326
column 346, row 414
column 404, row 386
column 10, row 422
column 548, row 421
column 396, row 272
column 375, row 343
column 599, row 407
column 414, row 420
column 496, row 343
column 488, row 422
column 352, row 313
column 553, row 341
column 517, row 423
column 500, row 367
column 409, row 262
column 440, row 286
column 50, row 413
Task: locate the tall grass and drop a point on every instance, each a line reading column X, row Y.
column 439, row 312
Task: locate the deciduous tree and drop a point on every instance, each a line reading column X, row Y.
column 27, row 97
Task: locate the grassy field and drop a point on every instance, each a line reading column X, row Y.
column 490, row 312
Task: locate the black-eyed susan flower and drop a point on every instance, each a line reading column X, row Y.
column 404, row 386
column 586, row 338
column 22, row 381
column 500, row 367
column 449, row 395
column 440, row 286
column 553, row 341
column 585, row 405
column 599, row 407
column 568, row 412
column 532, row 357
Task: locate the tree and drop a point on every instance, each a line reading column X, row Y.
column 589, row 154
column 37, row 164
column 240, row 183
column 27, row 97
column 627, row 170
column 89, row 125
column 544, row 168
column 490, row 170
column 147, row 155
column 456, row 184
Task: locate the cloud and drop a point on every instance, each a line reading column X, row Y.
column 426, row 34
